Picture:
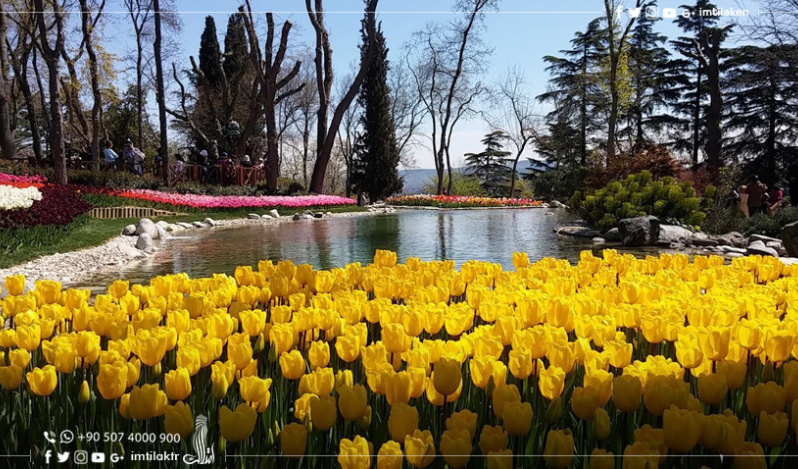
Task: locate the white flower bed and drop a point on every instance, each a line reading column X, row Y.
column 12, row 198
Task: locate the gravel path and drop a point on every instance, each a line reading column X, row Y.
column 74, row 266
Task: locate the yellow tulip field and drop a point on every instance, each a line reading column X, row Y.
column 615, row 362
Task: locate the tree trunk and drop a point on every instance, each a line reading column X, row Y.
column 697, row 116
column 715, row 109
column 52, row 56
column 7, row 145
column 272, row 158
column 42, row 100
column 19, row 64
column 96, row 110
column 139, row 92
column 160, row 91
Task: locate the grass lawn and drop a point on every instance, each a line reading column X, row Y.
column 19, row 246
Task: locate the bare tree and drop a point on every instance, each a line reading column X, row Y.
column 407, row 111
column 139, row 12
column 88, row 26
column 51, row 53
column 269, row 67
column 616, row 46
column 160, row 90
column 348, row 133
column 515, row 116
column 19, row 57
column 443, row 72
column 7, row 145
column 326, row 130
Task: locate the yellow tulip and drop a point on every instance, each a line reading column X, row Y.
column 447, row 376
column 292, row 364
column 492, row 439
column 352, row 401
column 402, row 421
column 584, row 402
column 601, row 459
column 398, row 387
column 256, row 391
column 15, row 284
column 463, row 420
column 178, row 419
column 551, row 382
column 235, row 426
column 293, row 440
column 500, row 459
column 749, row 456
column 323, row 412
column 419, row 448
column 766, row 397
column 354, row 454
column 390, row 456
column 42, row 381
column 319, row 355
column 177, row 384
column 772, row 429
column 734, row 373
column 559, row 449
column 601, row 381
column 517, row 417
column 10, row 377
column 681, row 429
column 712, row 388
column 456, row 448
column 640, row 455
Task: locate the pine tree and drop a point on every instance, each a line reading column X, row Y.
column 762, row 106
column 690, row 107
column 654, row 83
column 576, row 92
column 210, row 55
column 491, row 166
column 376, row 163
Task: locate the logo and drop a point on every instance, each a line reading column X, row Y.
column 49, row 436
column 62, row 457
column 67, row 437
column 669, row 12
column 81, row 457
column 204, row 452
column 98, row 458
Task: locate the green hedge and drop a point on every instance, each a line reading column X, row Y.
column 639, row 195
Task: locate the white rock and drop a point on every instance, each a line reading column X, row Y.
column 274, row 213
column 129, row 230
column 185, row 226
column 147, row 226
column 144, row 243
column 199, row 224
column 267, row 217
column 209, row 222
column 253, row 216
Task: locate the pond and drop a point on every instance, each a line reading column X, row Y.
column 461, row 235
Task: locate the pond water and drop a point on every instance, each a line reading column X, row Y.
column 487, row 235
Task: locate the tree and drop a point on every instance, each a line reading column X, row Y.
column 655, row 81
column 690, row 105
column 517, row 118
column 762, row 114
column 210, row 56
column 326, row 130
column 51, row 53
column 617, row 54
column 7, row 146
column 407, row 111
column 88, row 26
column 139, row 11
column 273, row 84
column 377, row 150
column 576, row 92
column 491, row 165
column 19, row 57
column 160, row 89
column 558, row 171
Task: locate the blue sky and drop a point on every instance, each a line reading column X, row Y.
column 521, row 33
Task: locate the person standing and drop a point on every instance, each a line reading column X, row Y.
column 757, row 197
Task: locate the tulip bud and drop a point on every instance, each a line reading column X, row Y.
column 554, row 411
column 260, row 344
column 365, row 421
column 222, row 443
column 85, row 394
column 156, row 370
column 272, row 354
column 601, row 424
column 269, row 438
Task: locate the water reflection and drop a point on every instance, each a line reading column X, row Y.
column 489, row 235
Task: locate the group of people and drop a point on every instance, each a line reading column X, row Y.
column 756, row 198
column 214, row 168
column 132, row 158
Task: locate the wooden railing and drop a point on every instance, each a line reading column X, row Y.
column 110, row 213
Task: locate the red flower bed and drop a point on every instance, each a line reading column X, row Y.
column 59, row 206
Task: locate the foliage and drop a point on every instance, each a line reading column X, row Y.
column 656, row 159
column 557, row 183
column 121, row 123
column 639, row 195
column 770, row 226
column 491, row 166
column 462, row 184
column 720, row 203
column 455, row 201
column 36, row 237
column 375, row 169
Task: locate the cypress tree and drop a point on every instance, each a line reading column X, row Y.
column 236, row 48
column 491, row 166
column 210, row 55
column 375, row 170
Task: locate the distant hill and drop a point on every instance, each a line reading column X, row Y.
column 415, row 179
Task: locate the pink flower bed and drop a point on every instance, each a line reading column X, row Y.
column 232, row 202
column 21, row 181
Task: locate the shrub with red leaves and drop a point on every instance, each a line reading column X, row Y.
column 59, row 206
